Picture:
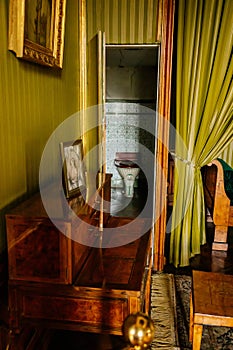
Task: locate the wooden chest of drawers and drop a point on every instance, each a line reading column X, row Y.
column 55, row 282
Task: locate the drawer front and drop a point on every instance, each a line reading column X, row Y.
column 92, row 314
column 38, row 251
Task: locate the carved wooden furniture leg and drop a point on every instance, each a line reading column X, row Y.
column 218, row 191
column 197, row 334
column 191, row 319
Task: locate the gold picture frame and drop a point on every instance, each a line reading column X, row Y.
column 73, row 168
column 36, row 31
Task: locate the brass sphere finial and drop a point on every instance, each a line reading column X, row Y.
column 138, row 330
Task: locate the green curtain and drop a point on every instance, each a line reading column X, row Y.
column 204, row 114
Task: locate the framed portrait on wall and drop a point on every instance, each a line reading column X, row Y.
column 36, row 30
column 73, row 168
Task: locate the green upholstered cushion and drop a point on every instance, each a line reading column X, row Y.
column 228, row 179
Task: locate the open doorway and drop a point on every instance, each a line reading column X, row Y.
column 131, row 95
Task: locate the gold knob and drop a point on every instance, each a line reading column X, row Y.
column 138, row 330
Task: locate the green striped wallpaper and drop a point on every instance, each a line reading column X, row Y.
column 124, row 21
column 34, row 100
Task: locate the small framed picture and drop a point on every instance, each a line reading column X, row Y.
column 73, row 168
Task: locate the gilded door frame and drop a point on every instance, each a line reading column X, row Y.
column 167, row 11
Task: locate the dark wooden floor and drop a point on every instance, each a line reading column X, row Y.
column 208, row 260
